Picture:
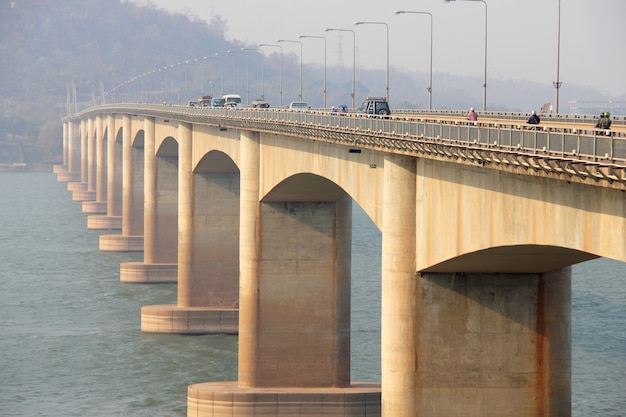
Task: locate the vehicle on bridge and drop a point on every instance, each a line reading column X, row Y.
column 232, row 100
column 259, row 103
column 217, row 102
column 205, row 101
column 299, row 106
column 374, row 106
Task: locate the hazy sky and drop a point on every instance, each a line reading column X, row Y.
column 522, row 35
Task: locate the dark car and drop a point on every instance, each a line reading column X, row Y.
column 375, row 106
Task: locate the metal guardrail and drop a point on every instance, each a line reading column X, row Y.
column 587, row 153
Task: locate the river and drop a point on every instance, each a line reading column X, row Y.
column 70, row 343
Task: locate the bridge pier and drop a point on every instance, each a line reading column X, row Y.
column 208, row 252
column 111, row 177
column 131, row 239
column 160, row 219
column 70, row 172
column 493, row 344
column 294, row 338
column 99, row 204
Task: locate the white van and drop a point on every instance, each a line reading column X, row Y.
column 232, row 100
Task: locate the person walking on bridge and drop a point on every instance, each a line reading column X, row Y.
column 604, row 122
column 472, row 116
column 533, row 119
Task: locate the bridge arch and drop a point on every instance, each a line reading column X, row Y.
column 513, row 259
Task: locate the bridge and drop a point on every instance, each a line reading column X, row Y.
column 249, row 211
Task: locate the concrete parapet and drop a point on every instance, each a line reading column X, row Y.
column 121, row 243
column 58, row 168
column 83, row 195
column 104, row 222
column 94, row 207
column 146, row 273
column 217, row 399
column 166, row 318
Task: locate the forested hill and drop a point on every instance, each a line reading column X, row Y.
column 46, row 44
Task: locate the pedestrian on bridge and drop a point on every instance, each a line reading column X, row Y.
column 472, row 116
column 533, row 119
column 604, row 122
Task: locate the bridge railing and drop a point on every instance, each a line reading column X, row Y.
column 589, row 145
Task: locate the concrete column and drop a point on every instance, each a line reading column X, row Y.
column 208, row 238
column 88, row 191
column 113, row 217
column 101, row 179
column 160, row 222
column 185, row 213
column 85, row 133
column 398, row 330
column 97, row 182
column 80, row 184
column 150, row 190
column 65, row 143
column 61, row 170
column 131, row 238
column 72, row 173
column 493, row 344
column 294, row 340
column 91, row 155
column 249, row 245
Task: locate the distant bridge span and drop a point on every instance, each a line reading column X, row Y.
column 480, row 225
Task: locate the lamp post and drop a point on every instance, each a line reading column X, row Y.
column 324, row 39
column 262, row 67
column 353, row 54
column 387, row 29
column 287, row 40
column 247, row 73
column 430, row 82
column 234, row 72
column 280, row 88
column 485, row 80
column 557, row 83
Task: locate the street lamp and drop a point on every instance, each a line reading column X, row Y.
column 247, row 73
column 353, row 55
column 387, row 29
column 430, row 83
column 324, row 39
column 485, row 80
column 262, row 67
column 557, row 83
column 287, row 40
column 280, row 88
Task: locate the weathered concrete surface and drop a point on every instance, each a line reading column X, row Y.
column 226, row 399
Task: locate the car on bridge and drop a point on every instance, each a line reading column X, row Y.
column 374, row 106
column 299, row 106
column 259, row 103
column 217, row 102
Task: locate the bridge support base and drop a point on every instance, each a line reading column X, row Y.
column 121, row 243
column 217, row 399
column 65, row 176
column 94, row 207
column 76, row 186
column 173, row 319
column 104, row 222
column 146, row 273
column 83, row 195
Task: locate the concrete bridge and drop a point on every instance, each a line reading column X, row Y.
column 250, row 212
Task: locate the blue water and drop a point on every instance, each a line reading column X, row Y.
column 70, row 343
